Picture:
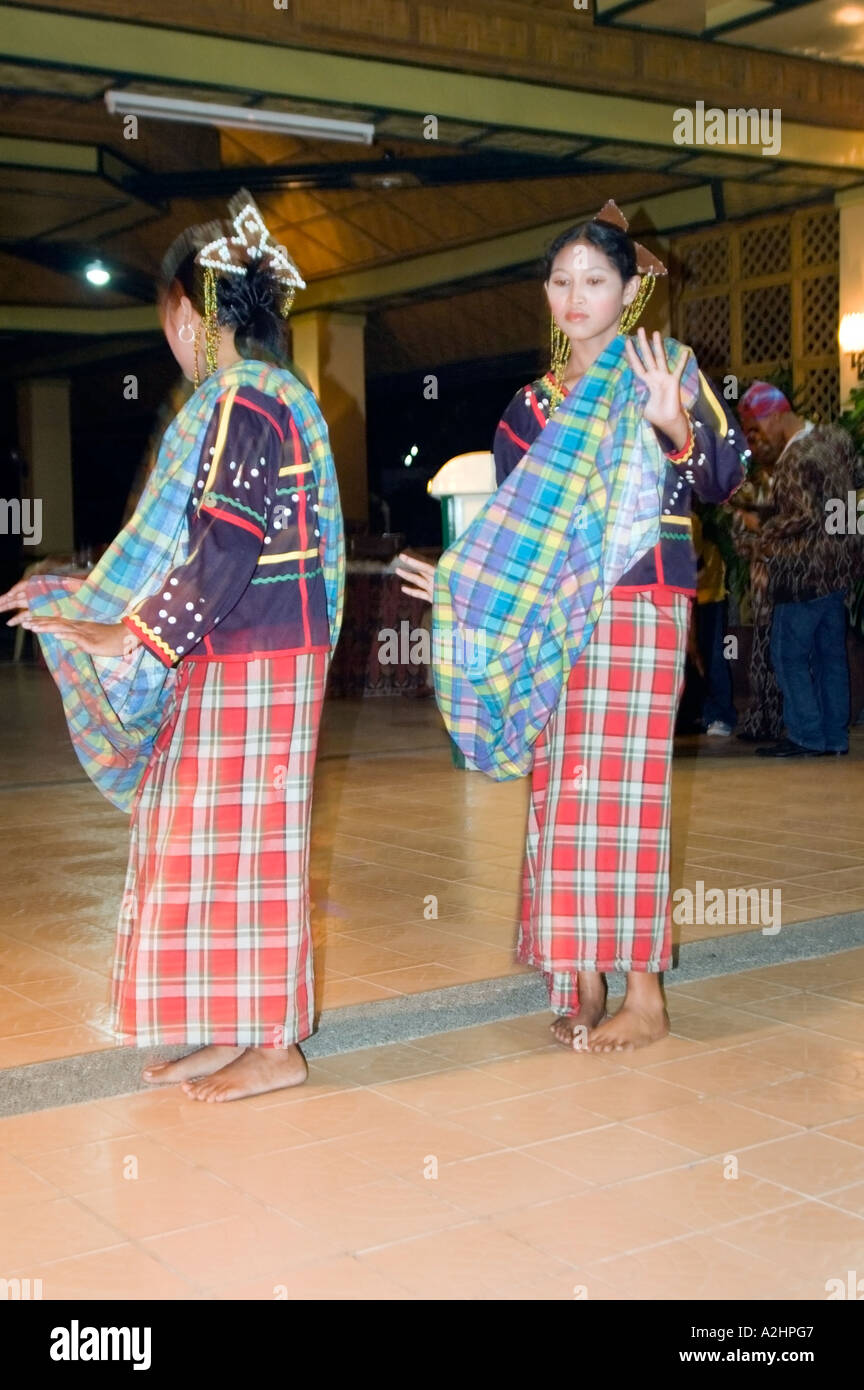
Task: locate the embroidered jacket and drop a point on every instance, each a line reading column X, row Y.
column 253, row 583
column 713, row 470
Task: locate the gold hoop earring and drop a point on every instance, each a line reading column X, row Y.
column 559, row 353
column 633, row 311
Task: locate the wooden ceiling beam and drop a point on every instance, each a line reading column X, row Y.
column 527, row 41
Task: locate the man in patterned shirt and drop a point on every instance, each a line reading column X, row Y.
column 810, row 569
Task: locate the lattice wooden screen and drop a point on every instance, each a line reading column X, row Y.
column 752, row 298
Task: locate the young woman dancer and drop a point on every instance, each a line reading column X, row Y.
column 192, row 664
column 596, row 876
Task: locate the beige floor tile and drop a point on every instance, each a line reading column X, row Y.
column 552, row 1066
column 162, row 1205
column 376, row 1214
column 809, row 1163
column 40, row 1131
column 52, row 1230
column 848, row 1199
column 850, row 1130
column 592, row 1225
column 707, row 1195
column 714, row 1126
column 500, row 1182
column 802, row 1051
column 465, row 1263
column 412, row 979
column 832, row 1017
column 448, row 1091
column 123, row 1273
column 51, row 1043
column 287, row 1178
column 722, row 1073
column 697, row 1267
column 530, row 1119
column 248, row 1244
column 19, row 1185
column 813, row 1241
column 730, row 990
column 629, row 1094
column 805, row 1100
column 351, row 1112
column 489, row 1040
column 107, row 1162
column 612, row 1154
column 341, row 1279
column 341, row 994
column 235, row 1132
column 408, row 1147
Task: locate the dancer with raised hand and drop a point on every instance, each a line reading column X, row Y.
column 192, row 664
column 578, row 575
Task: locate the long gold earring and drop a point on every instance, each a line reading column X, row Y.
column 559, row 352
column 211, row 324
column 633, row 311
column 196, row 350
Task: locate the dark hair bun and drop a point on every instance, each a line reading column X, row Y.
column 242, row 299
column 250, row 305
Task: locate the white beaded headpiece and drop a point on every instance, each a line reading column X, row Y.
column 231, row 255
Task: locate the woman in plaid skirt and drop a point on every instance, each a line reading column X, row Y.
column 214, row 946
column 596, row 875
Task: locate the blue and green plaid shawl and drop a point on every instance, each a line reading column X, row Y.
column 114, row 707
column 518, row 595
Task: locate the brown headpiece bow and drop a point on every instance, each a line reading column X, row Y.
column 646, row 262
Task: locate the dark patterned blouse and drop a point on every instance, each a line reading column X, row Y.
column 253, row 583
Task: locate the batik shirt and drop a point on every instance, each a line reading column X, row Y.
column 803, row 559
column 713, row 470
column 253, row 583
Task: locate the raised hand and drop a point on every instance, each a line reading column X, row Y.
column 663, row 408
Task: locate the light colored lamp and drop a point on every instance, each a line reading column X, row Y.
column 851, row 337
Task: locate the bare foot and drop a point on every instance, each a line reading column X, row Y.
column 572, row 1030
column 200, row 1063
column 259, row 1069
column 630, row 1027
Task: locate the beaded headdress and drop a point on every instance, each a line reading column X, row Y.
column 219, row 253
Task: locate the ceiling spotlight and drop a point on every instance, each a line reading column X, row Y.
column 96, row 273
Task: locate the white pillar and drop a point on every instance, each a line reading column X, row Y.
column 46, row 445
column 329, row 349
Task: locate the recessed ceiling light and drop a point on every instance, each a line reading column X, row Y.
column 96, row 273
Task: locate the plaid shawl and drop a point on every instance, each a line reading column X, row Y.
column 518, row 595
column 114, row 707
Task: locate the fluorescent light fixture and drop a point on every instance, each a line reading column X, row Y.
column 160, row 108
column 96, row 273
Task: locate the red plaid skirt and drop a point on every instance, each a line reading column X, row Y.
column 214, row 943
column 596, row 877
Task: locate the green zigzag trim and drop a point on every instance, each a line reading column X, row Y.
column 241, row 507
column 281, row 578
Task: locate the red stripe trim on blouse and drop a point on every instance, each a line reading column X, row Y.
column 250, row 405
column 240, row 521
column 502, row 425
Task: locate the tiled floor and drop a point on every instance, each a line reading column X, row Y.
column 725, row 1162
column 416, row 866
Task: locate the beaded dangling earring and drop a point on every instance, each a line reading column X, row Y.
column 633, row 311
column 559, row 357
column 196, row 350
column 211, row 323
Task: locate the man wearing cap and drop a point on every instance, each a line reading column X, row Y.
column 809, row 572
